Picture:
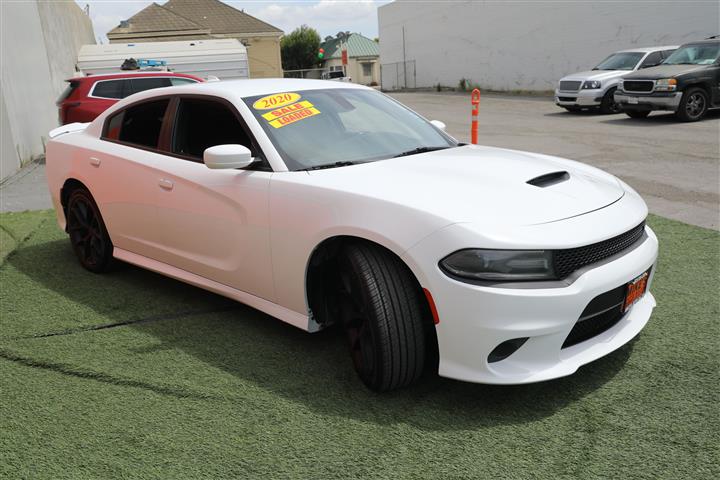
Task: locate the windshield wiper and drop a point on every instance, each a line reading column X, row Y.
column 419, row 150
column 329, row 165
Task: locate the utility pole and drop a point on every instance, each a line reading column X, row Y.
column 404, row 59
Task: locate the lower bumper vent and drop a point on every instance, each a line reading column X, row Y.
column 601, row 314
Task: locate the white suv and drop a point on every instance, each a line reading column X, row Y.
column 596, row 88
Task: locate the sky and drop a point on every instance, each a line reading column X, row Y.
column 328, row 17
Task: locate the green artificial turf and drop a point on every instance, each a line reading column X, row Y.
column 202, row 387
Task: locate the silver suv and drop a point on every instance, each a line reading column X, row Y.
column 596, row 88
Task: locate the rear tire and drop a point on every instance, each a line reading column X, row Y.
column 608, row 105
column 385, row 316
column 637, row 113
column 88, row 235
column 693, row 105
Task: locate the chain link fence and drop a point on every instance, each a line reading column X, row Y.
column 398, row 75
column 313, row 73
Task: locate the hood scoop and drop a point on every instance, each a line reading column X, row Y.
column 549, row 179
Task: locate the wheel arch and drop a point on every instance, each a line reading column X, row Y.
column 610, row 87
column 70, row 185
column 325, row 254
column 326, row 251
column 699, row 83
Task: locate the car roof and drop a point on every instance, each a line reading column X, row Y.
column 266, row 86
column 707, row 41
column 649, row 49
column 130, row 74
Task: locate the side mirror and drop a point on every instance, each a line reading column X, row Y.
column 438, row 124
column 227, row 156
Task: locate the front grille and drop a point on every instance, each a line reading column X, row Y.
column 571, row 259
column 638, row 85
column 569, row 86
column 567, row 99
column 601, row 314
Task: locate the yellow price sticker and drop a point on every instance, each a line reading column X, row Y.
column 285, row 110
column 295, row 116
column 276, row 100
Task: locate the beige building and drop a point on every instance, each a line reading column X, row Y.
column 363, row 64
column 205, row 19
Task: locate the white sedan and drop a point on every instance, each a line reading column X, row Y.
column 320, row 203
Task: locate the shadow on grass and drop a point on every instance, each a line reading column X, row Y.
column 310, row 370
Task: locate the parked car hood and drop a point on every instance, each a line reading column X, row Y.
column 597, row 75
column 479, row 184
column 664, row 71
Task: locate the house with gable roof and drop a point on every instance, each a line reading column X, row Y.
column 201, row 20
column 363, row 62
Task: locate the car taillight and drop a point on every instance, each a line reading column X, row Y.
column 63, row 110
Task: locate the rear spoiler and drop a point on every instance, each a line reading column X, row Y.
column 69, row 128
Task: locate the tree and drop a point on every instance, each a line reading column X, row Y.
column 299, row 49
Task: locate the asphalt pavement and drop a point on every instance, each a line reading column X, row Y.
column 675, row 166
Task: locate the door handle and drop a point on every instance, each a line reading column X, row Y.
column 95, row 162
column 165, row 184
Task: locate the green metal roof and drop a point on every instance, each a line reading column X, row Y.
column 357, row 46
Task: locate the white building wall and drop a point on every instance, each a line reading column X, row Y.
column 40, row 41
column 528, row 45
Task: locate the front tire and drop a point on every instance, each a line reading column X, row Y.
column 637, row 113
column 608, row 105
column 693, row 105
column 384, row 315
column 88, row 236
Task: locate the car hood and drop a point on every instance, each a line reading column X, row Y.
column 597, row 75
column 664, row 71
column 479, row 184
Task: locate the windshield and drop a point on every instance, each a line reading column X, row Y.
column 701, row 54
column 314, row 128
column 620, row 61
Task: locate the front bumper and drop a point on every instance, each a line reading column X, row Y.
column 649, row 101
column 581, row 98
column 475, row 319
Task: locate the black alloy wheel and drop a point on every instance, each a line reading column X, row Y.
column 88, row 235
column 693, row 105
column 608, row 104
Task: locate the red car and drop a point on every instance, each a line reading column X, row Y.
column 87, row 97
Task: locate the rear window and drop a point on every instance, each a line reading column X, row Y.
column 139, row 125
column 111, row 89
column 72, row 85
column 142, row 84
column 181, row 81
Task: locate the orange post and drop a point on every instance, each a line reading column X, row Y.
column 475, row 100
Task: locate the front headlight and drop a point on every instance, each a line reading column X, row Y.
column 591, row 85
column 666, row 85
column 500, row 265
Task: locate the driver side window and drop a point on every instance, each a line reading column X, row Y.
column 201, row 124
